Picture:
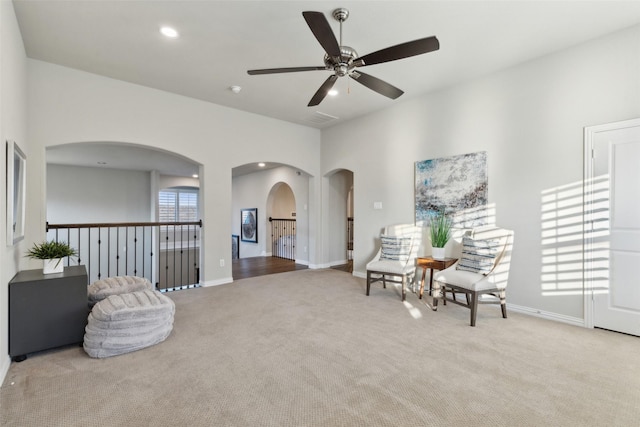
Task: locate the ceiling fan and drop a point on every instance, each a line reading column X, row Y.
column 343, row 60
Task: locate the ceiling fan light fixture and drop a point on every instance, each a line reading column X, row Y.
column 169, row 32
column 343, row 60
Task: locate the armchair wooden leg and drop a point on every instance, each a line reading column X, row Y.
column 368, row 282
column 404, row 287
column 503, row 303
column 474, row 307
column 435, row 295
column 384, row 282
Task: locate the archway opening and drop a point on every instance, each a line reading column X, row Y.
column 281, row 211
column 109, row 199
column 279, row 196
column 340, row 219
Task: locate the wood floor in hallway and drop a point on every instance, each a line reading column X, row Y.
column 260, row 266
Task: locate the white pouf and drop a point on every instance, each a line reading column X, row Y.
column 128, row 322
column 101, row 289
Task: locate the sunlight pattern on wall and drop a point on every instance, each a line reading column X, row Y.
column 575, row 237
column 597, row 234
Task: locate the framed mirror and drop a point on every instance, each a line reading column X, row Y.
column 16, row 190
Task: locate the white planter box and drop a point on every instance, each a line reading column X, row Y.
column 53, row 266
column 437, row 253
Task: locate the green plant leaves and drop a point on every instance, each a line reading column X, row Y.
column 440, row 228
column 50, row 250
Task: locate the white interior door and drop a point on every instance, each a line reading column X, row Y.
column 613, row 225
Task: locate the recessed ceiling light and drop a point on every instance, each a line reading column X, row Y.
column 261, row 164
column 195, row 175
column 235, row 89
column 169, row 32
column 332, row 92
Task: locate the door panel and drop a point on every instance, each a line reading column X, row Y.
column 616, row 300
column 624, row 296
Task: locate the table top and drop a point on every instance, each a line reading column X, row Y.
column 31, row 275
column 431, row 262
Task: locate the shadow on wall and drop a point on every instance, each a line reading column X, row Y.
column 568, row 219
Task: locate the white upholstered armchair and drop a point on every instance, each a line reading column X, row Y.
column 395, row 260
column 482, row 270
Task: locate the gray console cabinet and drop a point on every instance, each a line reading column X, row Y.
column 46, row 311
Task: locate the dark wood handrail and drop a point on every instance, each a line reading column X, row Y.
column 282, row 219
column 120, row 224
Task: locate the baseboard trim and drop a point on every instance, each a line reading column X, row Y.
column 217, row 282
column 302, row 262
column 575, row 321
column 5, row 363
column 319, row 266
column 360, row 274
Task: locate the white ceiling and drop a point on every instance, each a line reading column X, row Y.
column 220, row 40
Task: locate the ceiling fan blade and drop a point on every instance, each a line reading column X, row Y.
column 400, row 51
column 322, row 92
column 322, row 30
column 375, row 84
column 283, row 70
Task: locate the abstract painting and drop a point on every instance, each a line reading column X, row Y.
column 249, row 225
column 16, row 191
column 455, row 185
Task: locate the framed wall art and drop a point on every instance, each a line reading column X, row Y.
column 249, row 225
column 16, row 189
column 455, row 185
column 235, row 246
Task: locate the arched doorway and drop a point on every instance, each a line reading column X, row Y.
column 341, row 219
column 275, row 191
column 281, row 211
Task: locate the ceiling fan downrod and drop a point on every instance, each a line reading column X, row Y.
column 341, row 65
column 341, row 14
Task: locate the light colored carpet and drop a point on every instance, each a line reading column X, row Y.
column 308, row 348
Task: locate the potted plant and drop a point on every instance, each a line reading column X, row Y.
column 440, row 228
column 52, row 253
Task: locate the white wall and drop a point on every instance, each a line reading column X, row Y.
column 530, row 121
column 252, row 191
column 67, row 105
column 82, row 194
column 13, row 126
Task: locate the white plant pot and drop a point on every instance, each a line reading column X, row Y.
column 53, row 266
column 437, row 253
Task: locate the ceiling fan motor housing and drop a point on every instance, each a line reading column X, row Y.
column 344, row 64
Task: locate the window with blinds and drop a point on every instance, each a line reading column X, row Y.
column 177, row 205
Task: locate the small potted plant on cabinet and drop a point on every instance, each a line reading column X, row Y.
column 52, row 253
column 440, row 228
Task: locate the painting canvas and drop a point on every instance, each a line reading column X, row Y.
column 235, row 246
column 249, row 225
column 456, row 185
column 16, row 188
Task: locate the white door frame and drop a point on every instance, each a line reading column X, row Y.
column 590, row 133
